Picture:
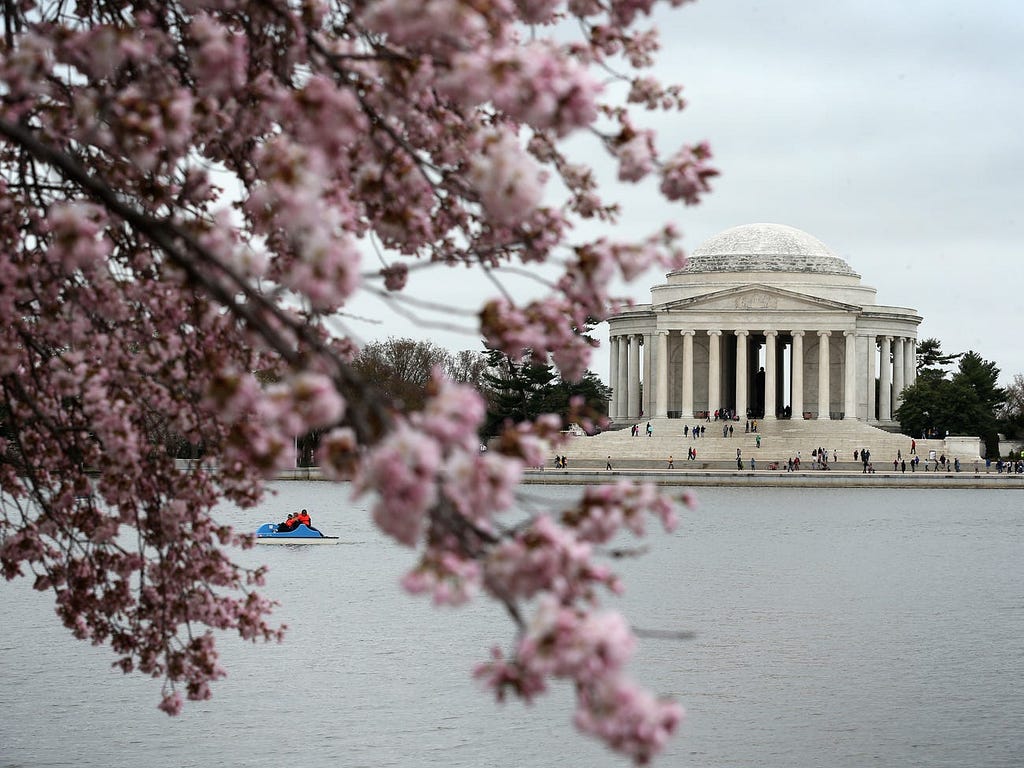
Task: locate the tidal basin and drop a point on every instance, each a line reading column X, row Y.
column 839, row 627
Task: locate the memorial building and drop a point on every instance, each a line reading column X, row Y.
column 765, row 322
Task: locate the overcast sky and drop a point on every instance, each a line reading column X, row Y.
column 891, row 131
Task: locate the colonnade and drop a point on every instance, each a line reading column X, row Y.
column 729, row 351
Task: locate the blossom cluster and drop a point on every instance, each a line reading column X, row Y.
column 187, row 195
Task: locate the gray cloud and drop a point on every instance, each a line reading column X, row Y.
column 890, row 131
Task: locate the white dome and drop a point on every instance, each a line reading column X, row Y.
column 766, row 248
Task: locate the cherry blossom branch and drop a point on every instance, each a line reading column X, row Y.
column 142, row 299
column 167, row 236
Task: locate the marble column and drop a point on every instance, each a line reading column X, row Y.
column 714, row 372
column 872, row 349
column 850, row 371
column 613, row 377
column 770, row 365
column 661, row 361
column 797, row 401
column 823, row 377
column 898, row 372
column 885, row 380
column 741, row 373
column 647, row 377
column 687, row 406
column 633, row 378
column 622, row 380
column 911, row 362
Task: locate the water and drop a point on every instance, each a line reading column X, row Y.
column 833, row 628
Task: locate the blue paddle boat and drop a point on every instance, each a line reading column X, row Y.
column 268, row 533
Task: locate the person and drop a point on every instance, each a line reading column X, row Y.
column 686, row 430
column 671, row 464
column 289, row 524
column 608, row 465
column 753, row 464
column 650, row 431
column 913, row 446
column 305, row 519
column 739, row 462
column 757, row 439
column 565, row 463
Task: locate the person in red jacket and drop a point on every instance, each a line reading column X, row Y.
column 304, row 518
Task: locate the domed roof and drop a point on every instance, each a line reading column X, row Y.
column 766, row 248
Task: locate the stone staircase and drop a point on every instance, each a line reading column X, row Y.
column 780, row 440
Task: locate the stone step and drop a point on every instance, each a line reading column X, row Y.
column 780, row 440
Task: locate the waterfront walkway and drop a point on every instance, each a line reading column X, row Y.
column 764, row 478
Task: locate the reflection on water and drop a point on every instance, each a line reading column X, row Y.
column 832, row 628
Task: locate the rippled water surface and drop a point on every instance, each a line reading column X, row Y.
column 833, row 628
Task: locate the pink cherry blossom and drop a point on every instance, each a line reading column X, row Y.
column 565, row 642
column 546, row 558
column 636, row 156
column 687, row 175
column 627, row 718
column 401, row 469
column 508, row 181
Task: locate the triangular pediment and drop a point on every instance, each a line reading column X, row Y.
column 758, row 298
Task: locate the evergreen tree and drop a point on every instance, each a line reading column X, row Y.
column 520, row 389
column 516, row 389
column 980, row 413
column 931, row 359
column 964, row 403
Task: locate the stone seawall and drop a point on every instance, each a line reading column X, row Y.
column 759, row 478
column 777, row 479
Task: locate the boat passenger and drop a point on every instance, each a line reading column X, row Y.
column 288, row 525
column 304, row 518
